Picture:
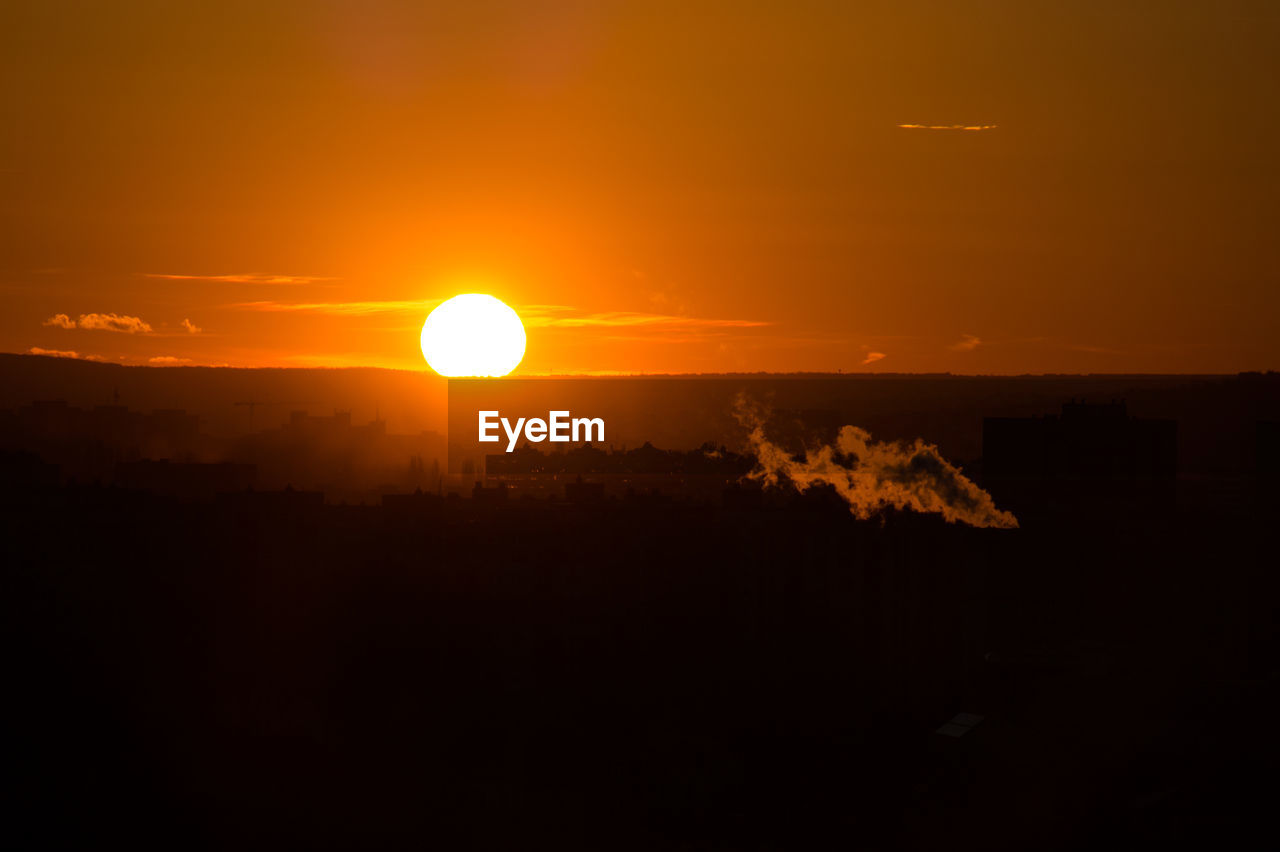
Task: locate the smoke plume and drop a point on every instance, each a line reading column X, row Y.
column 873, row 475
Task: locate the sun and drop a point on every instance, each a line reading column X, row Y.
column 473, row 335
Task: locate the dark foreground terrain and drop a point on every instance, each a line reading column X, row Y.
column 633, row 675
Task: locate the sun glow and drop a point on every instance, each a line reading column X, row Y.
column 473, row 335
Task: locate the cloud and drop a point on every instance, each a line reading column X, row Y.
column 873, row 475
column 337, row 308
column 243, row 278
column 113, row 322
column 63, row 353
column 190, row 327
column 559, row 316
column 968, row 343
column 948, row 126
column 873, row 357
column 533, row 316
column 101, row 322
column 1095, row 350
column 168, row 361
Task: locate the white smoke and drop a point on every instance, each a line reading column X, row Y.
column 873, row 475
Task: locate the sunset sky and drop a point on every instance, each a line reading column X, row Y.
column 974, row 187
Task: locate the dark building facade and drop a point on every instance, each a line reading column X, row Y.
column 185, row 480
column 1089, row 451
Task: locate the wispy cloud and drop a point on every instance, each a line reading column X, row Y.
column 63, row 353
column 873, row 357
column 53, row 353
column 533, row 316
column 243, row 278
column 190, row 327
column 1095, row 350
column 558, row 316
column 337, row 308
column 968, row 343
column 168, row 361
column 101, row 322
column 679, row 335
column 948, row 126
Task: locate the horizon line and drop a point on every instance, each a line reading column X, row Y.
column 860, row 374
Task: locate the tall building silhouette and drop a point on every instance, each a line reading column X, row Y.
column 1088, row 452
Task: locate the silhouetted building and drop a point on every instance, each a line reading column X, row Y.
column 700, row 474
column 418, row 502
column 348, row 462
column 271, row 502
column 743, row 495
column 1090, row 451
column 707, row 460
column 583, row 492
column 646, row 498
column 490, row 496
column 1087, row 440
column 169, row 433
column 1267, row 449
column 22, row 472
column 185, row 480
column 312, row 427
column 88, row 443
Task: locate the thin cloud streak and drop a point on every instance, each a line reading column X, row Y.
column 671, row 336
column 336, row 308
column 1094, row 350
column 948, row 126
column 632, row 319
column 968, row 343
column 533, row 316
column 243, row 278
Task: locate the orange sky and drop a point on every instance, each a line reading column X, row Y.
column 655, row 187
